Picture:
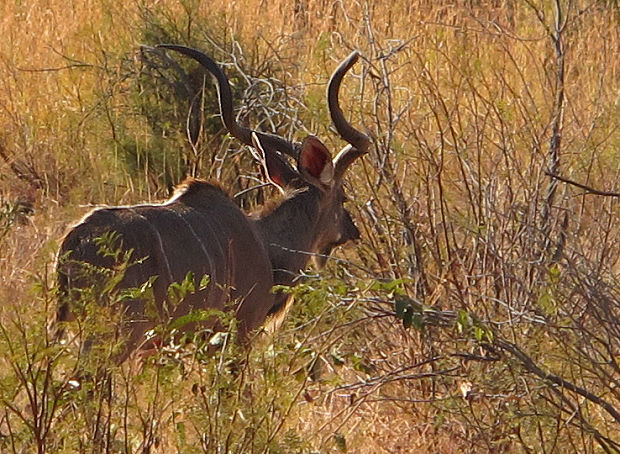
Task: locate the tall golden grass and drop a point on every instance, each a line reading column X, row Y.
column 460, row 99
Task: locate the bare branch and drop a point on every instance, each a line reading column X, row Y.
column 588, row 189
column 531, row 366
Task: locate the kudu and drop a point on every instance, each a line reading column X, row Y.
column 201, row 231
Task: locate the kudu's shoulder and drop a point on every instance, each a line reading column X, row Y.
column 194, row 191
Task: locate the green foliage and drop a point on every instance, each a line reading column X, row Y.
column 547, row 300
column 225, row 399
column 10, row 213
column 391, row 287
column 110, row 244
column 178, row 291
column 411, row 315
column 469, row 324
column 196, row 316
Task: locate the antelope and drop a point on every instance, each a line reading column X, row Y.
column 200, row 231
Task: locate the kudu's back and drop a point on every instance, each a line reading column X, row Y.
column 198, row 233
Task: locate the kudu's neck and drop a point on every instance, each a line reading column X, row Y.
column 289, row 232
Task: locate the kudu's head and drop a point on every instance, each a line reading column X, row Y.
column 321, row 177
column 315, row 172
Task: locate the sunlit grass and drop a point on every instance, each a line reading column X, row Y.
column 459, row 99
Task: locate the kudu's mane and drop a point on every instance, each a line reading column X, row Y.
column 273, row 203
column 289, row 203
column 194, row 187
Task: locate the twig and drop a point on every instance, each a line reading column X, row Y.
column 588, row 189
column 531, row 366
column 557, row 120
column 57, row 68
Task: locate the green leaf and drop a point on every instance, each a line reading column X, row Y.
column 341, row 442
column 177, row 291
column 417, row 321
column 287, row 289
column 410, row 314
column 395, row 286
column 196, row 316
column 554, row 274
column 463, row 321
column 204, row 282
column 407, row 317
column 400, row 306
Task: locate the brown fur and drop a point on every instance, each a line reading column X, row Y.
column 190, row 186
column 198, row 230
column 201, row 230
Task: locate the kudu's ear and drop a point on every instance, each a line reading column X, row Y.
column 278, row 171
column 315, row 163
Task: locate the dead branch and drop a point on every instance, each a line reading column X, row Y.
column 588, row 189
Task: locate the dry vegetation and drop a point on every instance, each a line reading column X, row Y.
column 479, row 313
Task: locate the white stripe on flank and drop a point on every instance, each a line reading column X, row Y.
column 161, row 243
column 213, row 271
column 216, row 238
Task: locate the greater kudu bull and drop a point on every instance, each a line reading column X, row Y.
column 200, row 231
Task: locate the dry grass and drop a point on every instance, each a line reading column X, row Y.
column 460, row 99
